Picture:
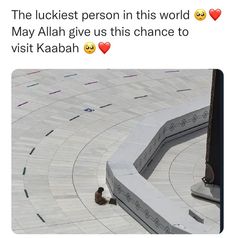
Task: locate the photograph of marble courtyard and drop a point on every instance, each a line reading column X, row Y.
column 152, row 139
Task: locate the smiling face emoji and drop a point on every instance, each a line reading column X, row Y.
column 89, row 47
column 200, row 14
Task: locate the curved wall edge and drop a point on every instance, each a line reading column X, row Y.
column 123, row 171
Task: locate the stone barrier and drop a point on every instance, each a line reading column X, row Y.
column 124, row 170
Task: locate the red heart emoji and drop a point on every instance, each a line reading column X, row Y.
column 215, row 13
column 104, row 47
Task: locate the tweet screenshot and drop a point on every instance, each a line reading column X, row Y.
column 113, row 117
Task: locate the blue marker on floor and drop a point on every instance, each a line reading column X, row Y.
column 89, row 110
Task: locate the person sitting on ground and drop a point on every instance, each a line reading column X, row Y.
column 98, row 196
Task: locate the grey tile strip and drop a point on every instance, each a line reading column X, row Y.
column 58, row 91
column 24, row 171
column 49, row 132
column 34, row 72
column 130, row 76
column 26, row 193
column 69, row 75
column 91, row 82
column 22, row 104
column 31, row 152
column 31, row 85
column 41, row 218
column 106, row 105
column 141, row 97
column 74, row 117
column 182, row 90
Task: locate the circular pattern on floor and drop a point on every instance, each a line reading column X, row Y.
column 65, row 125
column 182, row 166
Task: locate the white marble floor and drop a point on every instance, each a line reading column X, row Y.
column 182, row 166
column 65, row 125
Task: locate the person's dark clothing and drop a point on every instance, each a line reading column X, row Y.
column 99, row 199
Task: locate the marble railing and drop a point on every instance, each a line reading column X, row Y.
column 123, row 171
